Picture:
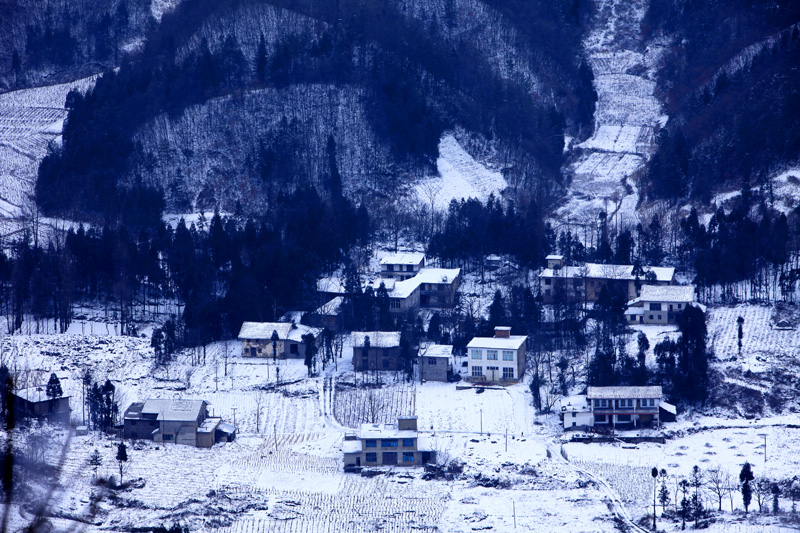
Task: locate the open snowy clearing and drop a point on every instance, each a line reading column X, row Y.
column 460, row 176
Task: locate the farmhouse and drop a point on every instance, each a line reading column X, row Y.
column 257, row 338
column 659, row 304
column 386, row 445
column 403, row 295
column 175, row 421
column 614, row 406
column 402, row 266
column 376, row 350
column 434, row 362
column 583, row 283
column 500, row 358
column 32, row 403
column 438, row 286
column 328, row 315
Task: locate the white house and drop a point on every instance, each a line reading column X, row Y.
column 659, row 304
column 402, row 266
column 614, row 406
column 500, row 358
column 256, row 339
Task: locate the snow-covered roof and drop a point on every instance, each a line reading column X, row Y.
column 633, row 310
column 600, row 271
column 209, row 425
column 404, row 258
column 614, row 393
column 437, row 275
column 668, row 407
column 385, row 431
column 554, row 257
column 174, row 410
column 351, row 446
column 285, row 330
column 437, row 350
column 377, row 339
column 330, row 307
column 574, row 403
column 35, row 394
column 667, row 293
column 225, row 427
column 500, row 343
column 332, row 284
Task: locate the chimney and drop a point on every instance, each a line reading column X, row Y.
column 502, row 332
column 407, row 423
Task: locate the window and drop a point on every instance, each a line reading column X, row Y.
column 670, row 307
column 409, row 268
column 293, row 349
column 166, row 437
column 651, row 317
column 372, row 457
column 371, row 443
column 491, row 355
column 477, row 354
column 632, row 318
column 388, row 443
column 508, row 373
column 477, row 371
column 601, row 403
column 431, row 360
column 680, row 305
column 655, row 307
column 408, row 457
column 659, row 317
column 623, row 418
column 386, row 364
column 408, row 443
column 574, row 414
column 253, row 352
column 547, row 281
column 395, row 304
column 508, row 355
column 390, row 267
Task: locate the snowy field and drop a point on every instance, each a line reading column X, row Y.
column 284, row 472
column 460, row 176
column 30, row 119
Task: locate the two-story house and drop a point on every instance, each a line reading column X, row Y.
column 387, row 445
column 498, row 359
column 175, row 422
column 614, row 406
column 256, row 339
column 659, row 304
column 434, row 362
column 402, row 266
column 438, row 286
column 584, row 283
column 375, row 350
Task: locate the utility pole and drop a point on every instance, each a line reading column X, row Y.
column 481, row 421
column 506, row 439
column 275, row 433
column 514, row 511
column 234, row 417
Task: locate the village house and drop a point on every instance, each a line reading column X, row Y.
column 659, row 304
column 610, row 407
column 434, row 362
column 176, row 422
column 32, row 403
column 404, row 296
column 498, row 359
column 328, row 315
column 387, row 445
column 584, row 283
column 438, row 286
column 257, row 339
column 375, row 350
column 402, row 266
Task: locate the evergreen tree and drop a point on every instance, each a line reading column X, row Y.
column 745, row 477
column 691, row 379
column 53, row 389
column 122, row 458
column 95, row 461
column 497, row 311
column 261, row 62
column 310, row 344
column 6, row 389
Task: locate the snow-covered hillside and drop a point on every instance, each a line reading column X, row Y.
column 30, row 119
column 604, row 175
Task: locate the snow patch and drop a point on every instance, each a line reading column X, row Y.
column 460, row 176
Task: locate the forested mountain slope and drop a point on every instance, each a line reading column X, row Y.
column 43, row 42
column 731, row 86
column 230, row 103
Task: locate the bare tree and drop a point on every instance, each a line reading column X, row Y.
column 717, row 483
column 763, row 490
column 259, row 403
column 373, row 405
